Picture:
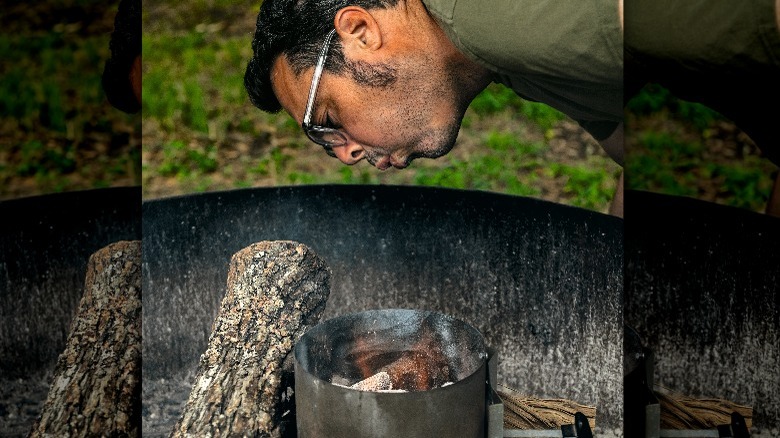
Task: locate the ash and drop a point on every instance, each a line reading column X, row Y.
column 609, row 433
column 21, row 401
column 163, row 404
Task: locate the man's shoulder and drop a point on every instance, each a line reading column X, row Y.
column 442, row 10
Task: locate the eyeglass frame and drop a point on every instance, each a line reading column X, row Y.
column 306, row 125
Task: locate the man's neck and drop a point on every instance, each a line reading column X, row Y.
column 472, row 76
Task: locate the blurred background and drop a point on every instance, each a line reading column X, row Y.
column 200, row 133
column 686, row 149
column 58, row 132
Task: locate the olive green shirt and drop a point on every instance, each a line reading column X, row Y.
column 725, row 36
column 566, row 54
column 722, row 53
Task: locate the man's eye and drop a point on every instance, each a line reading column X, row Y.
column 329, row 123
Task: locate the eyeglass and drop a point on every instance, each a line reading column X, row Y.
column 322, row 135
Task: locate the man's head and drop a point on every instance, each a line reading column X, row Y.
column 392, row 83
column 121, row 78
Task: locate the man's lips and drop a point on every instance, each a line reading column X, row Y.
column 400, row 165
column 386, row 162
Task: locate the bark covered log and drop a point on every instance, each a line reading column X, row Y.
column 96, row 389
column 276, row 290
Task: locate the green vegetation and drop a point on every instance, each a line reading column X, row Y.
column 184, row 92
column 42, row 75
column 57, row 130
column 657, row 99
column 687, row 149
column 497, row 98
column 586, row 186
column 38, row 160
column 178, row 160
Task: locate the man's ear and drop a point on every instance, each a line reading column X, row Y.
column 358, row 30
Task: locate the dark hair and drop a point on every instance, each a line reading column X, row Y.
column 295, row 29
column 125, row 45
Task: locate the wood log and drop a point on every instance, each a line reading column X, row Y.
column 679, row 411
column 524, row 412
column 96, row 389
column 378, row 382
column 421, row 367
column 275, row 291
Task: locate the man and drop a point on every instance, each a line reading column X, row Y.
column 726, row 58
column 723, row 54
column 398, row 75
column 121, row 78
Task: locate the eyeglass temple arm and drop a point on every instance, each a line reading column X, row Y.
column 316, row 77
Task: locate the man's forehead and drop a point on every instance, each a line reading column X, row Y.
column 292, row 91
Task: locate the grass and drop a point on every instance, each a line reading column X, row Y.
column 497, row 98
column 687, row 149
column 42, row 74
column 655, row 99
column 587, row 187
column 37, row 160
column 57, row 130
column 179, row 90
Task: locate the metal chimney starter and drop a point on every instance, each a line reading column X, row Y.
column 438, row 361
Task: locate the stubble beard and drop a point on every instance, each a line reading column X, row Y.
column 441, row 141
column 432, row 144
column 436, row 141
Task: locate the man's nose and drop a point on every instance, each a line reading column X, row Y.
column 350, row 153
